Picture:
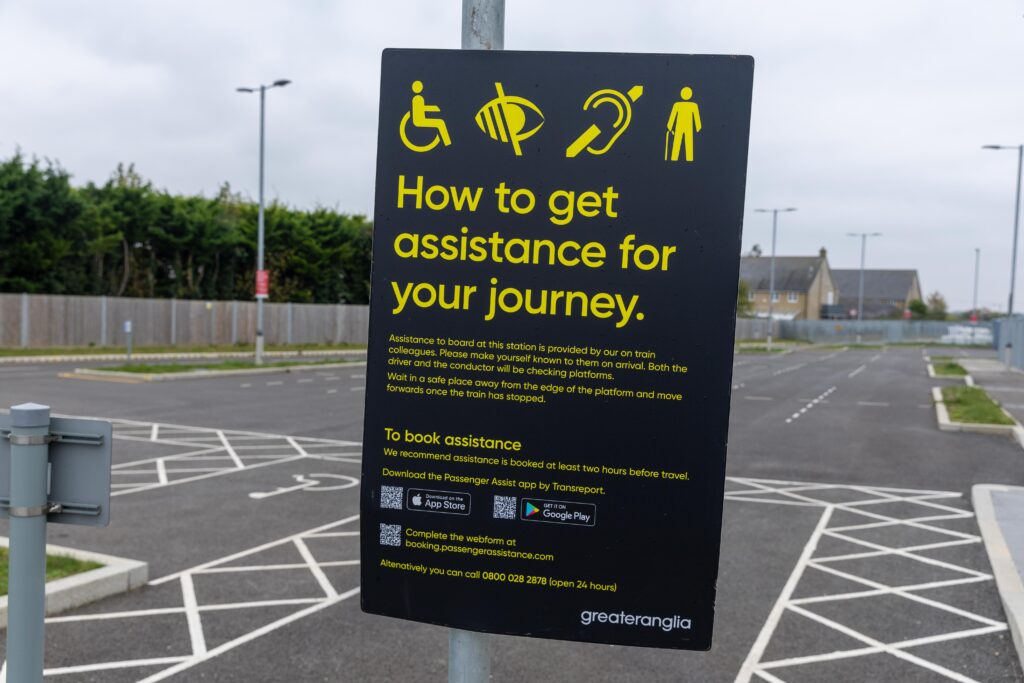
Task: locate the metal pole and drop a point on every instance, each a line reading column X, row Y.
column 771, row 279
column 128, row 339
column 174, row 321
column 977, row 263
column 860, row 291
column 30, row 423
column 469, row 653
column 1013, row 261
column 259, row 237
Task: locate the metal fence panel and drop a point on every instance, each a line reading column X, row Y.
column 56, row 320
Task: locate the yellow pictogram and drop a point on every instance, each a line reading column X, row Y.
column 418, row 115
column 504, row 118
column 622, row 103
column 683, row 126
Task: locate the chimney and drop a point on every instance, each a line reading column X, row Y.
column 823, row 253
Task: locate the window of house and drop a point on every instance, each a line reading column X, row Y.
column 775, row 297
column 792, row 297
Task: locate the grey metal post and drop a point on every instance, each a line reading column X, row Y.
column 860, row 294
column 860, row 288
column 771, row 280
column 128, row 339
column 234, row 322
column 977, row 263
column 259, row 231
column 174, row 321
column 30, row 423
column 24, row 320
column 103, row 320
column 469, row 653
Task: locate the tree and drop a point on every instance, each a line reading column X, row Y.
column 918, row 309
column 743, row 307
column 936, row 306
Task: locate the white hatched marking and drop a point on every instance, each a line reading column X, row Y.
column 231, row 451
column 195, row 623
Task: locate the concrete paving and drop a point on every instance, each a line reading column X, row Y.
column 850, row 548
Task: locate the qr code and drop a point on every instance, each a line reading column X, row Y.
column 391, row 497
column 391, row 534
column 504, row 507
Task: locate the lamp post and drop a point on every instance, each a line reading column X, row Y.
column 262, row 89
column 977, row 263
column 1013, row 256
column 771, row 277
column 860, row 294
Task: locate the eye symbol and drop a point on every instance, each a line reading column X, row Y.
column 504, row 118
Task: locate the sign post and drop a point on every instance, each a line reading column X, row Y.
column 556, row 257
column 51, row 470
column 128, row 339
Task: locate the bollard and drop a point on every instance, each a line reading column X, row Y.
column 128, row 339
column 30, row 428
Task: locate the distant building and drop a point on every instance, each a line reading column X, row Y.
column 887, row 293
column 803, row 285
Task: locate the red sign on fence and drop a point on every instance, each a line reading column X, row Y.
column 262, row 284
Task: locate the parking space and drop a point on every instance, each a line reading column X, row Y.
column 850, row 551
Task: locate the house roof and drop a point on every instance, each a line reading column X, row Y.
column 792, row 273
column 878, row 284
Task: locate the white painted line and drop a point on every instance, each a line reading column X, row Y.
column 314, row 568
column 759, row 398
column 882, row 647
column 754, row 656
column 331, row 378
column 876, row 404
column 305, row 380
column 275, row 567
column 253, row 551
column 875, row 357
column 220, row 473
column 857, row 371
column 195, row 623
column 105, row 666
column 295, row 444
column 231, row 451
column 332, row 391
column 249, row 637
column 246, row 385
column 154, row 432
column 357, row 389
column 161, row 471
column 275, row 383
column 358, row 377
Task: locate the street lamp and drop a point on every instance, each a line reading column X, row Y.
column 860, row 294
column 771, row 278
column 977, row 263
column 1016, row 222
column 262, row 89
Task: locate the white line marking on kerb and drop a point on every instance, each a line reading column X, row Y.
column 857, row 371
column 231, row 451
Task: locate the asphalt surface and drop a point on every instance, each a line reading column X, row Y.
column 850, row 552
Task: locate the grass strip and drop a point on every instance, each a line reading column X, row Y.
column 972, row 404
column 169, row 368
column 945, row 365
column 57, row 567
column 222, row 348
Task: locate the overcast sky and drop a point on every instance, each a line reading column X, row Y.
column 868, row 116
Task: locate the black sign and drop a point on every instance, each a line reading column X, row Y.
column 555, row 266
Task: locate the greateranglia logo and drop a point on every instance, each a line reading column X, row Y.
column 666, row 624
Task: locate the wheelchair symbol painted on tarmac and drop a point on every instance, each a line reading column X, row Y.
column 314, row 482
column 418, row 115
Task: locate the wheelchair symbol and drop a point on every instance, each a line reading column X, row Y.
column 418, row 116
